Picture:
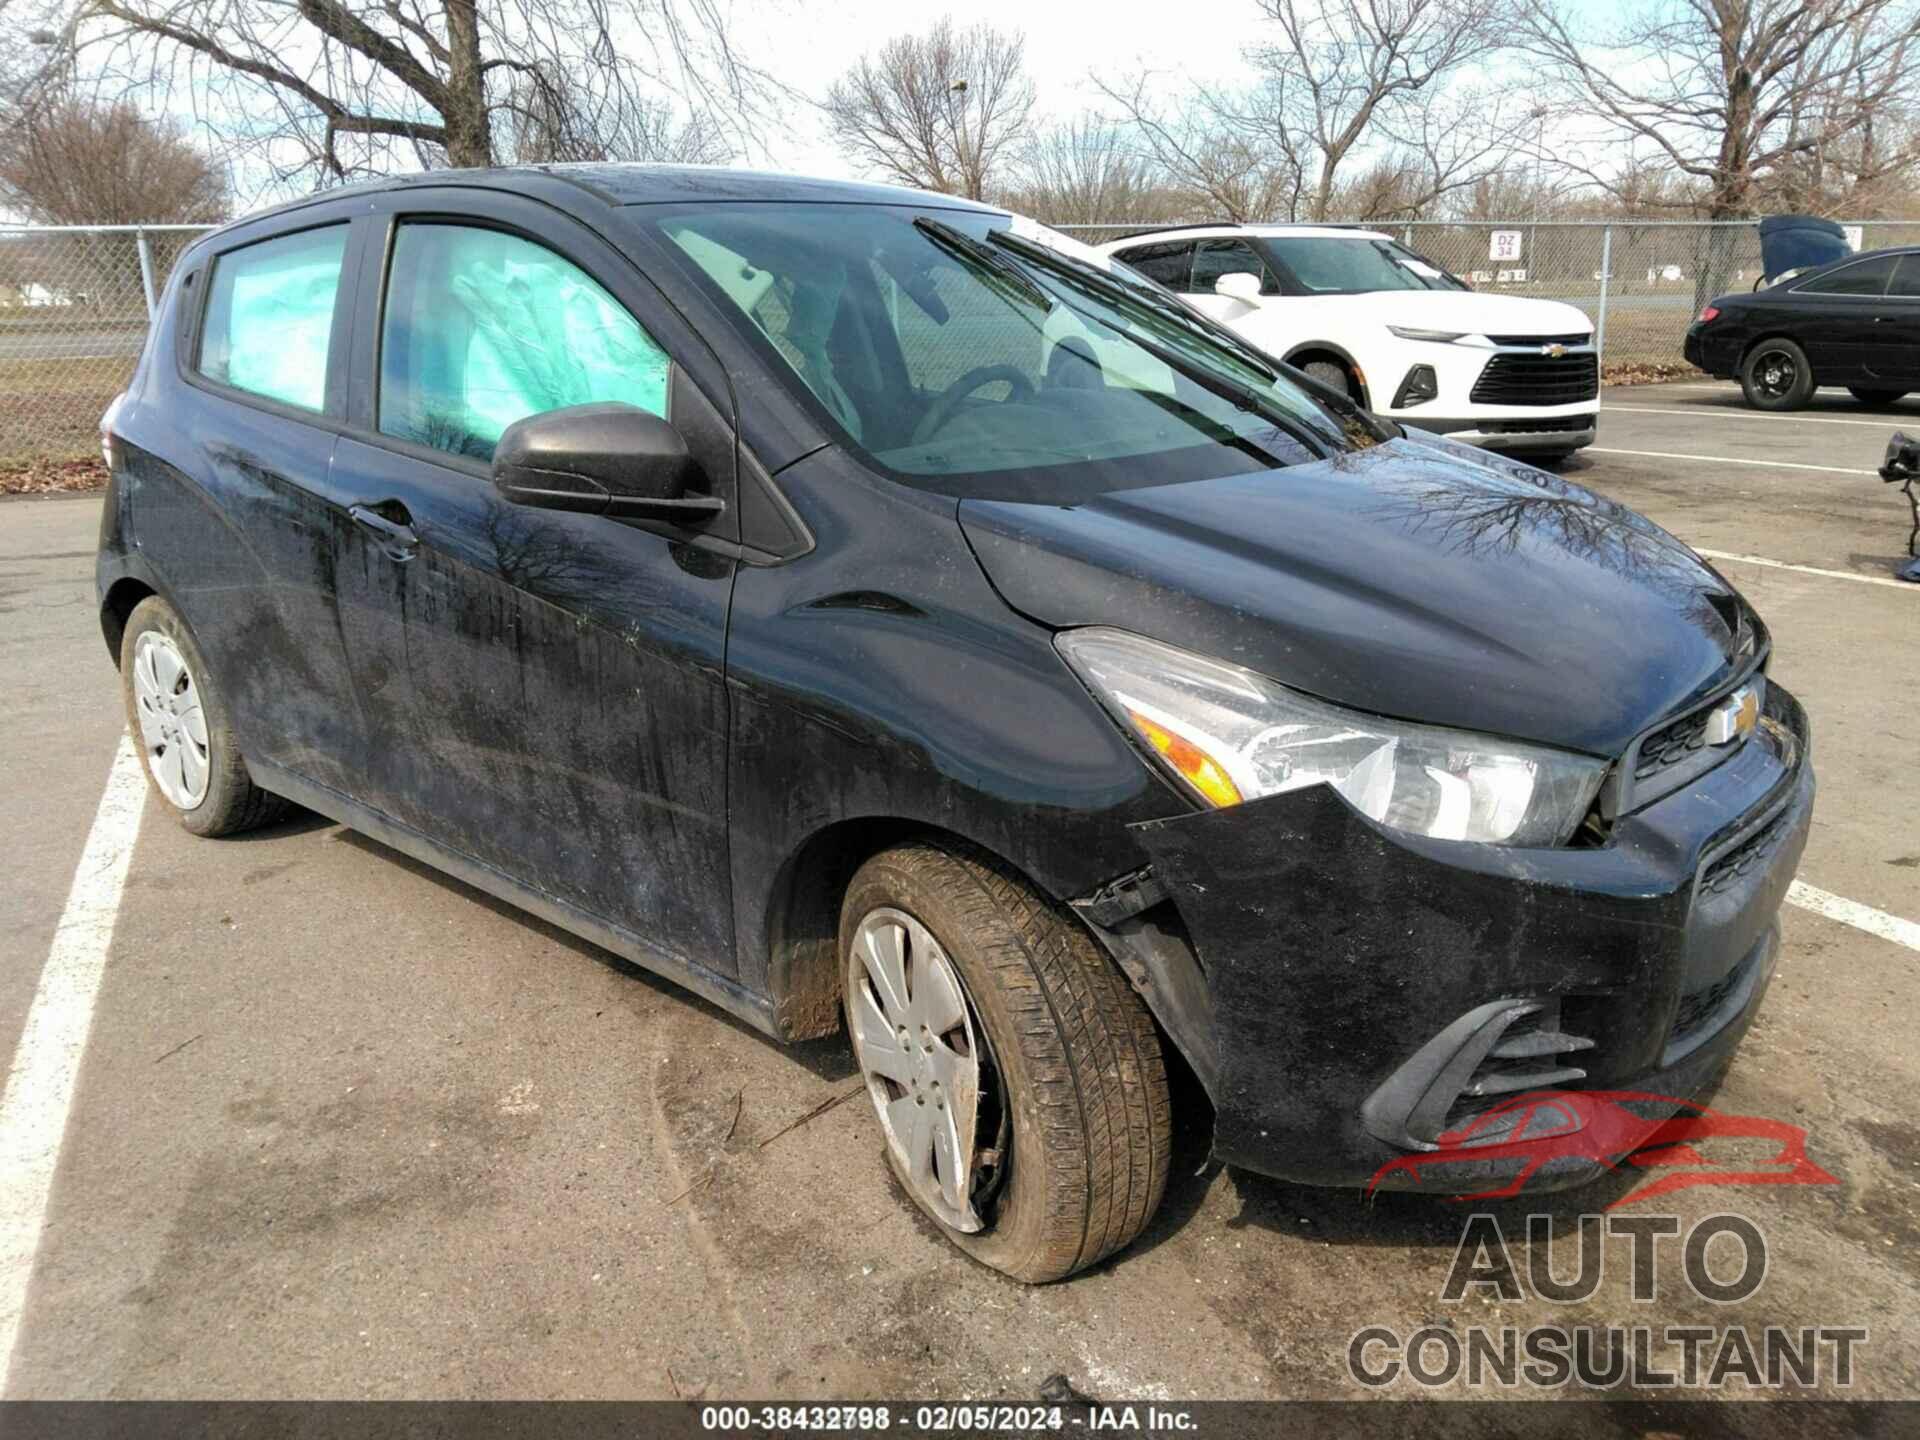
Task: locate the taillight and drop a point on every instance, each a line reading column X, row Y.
column 1710, row 313
column 106, row 429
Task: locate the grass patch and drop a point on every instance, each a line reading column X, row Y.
column 50, row 409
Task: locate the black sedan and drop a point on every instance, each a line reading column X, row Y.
column 1854, row 322
column 854, row 602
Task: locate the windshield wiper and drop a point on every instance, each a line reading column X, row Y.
column 983, row 258
column 1160, row 304
column 1236, row 392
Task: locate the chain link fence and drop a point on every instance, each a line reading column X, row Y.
column 1641, row 283
column 75, row 301
column 74, row 307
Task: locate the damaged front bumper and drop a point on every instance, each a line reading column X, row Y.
column 1349, row 993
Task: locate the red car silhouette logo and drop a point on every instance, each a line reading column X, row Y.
column 1598, row 1126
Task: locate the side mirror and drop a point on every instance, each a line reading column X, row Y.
column 1239, row 286
column 1903, row 459
column 602, row 459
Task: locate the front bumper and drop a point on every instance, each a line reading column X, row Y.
column 1333, row 956
column 1516, row 433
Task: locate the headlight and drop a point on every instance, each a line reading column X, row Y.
column 1230, row 735
column 1445, row 337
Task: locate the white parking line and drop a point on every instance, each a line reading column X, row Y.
column 1730, row 460
column 1807, row 569
column 1852, row 912
column 1727, row 389
column 1728, row 412
column 33, row 1112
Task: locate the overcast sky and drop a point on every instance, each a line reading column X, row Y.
column 808, row 46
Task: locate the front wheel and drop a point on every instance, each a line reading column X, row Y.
column 1875, row 397
column 1332, row 375
column 1776, row 376
column 1017, row 1079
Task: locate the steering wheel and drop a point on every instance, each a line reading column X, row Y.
column 951, row 397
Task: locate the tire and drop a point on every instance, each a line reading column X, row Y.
column 1776, row 376
column 1073, row 1092
column 209, row 793
column 1331, row 374
column 1876, row 397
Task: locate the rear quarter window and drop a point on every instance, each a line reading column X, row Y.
column 269, row 316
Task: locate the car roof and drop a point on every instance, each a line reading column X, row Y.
column 1225, row 232
column 636, row 183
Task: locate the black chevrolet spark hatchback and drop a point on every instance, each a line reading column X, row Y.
column 857, row 603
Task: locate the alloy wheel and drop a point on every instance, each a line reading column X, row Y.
column 927, row 1066
column 173, row 724
column 1775, row 374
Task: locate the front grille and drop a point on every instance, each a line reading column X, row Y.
column 1538, row 380
column 1669, row 746
column 1582, row 339
column 1699, row 1007
column 1745, row 857
column 1550, row 425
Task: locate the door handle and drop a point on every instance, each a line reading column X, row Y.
column 397, row 537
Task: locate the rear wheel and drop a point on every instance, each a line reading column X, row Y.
column 1776, row 376
column 1017, row 1079
column 185, row 732
column 1875, row 397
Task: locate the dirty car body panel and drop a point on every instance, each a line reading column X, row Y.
column 679, row 737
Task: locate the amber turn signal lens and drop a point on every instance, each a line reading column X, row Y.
column 1194, row 765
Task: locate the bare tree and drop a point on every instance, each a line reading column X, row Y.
column 553, row 125
column 1224, row 165
column 1340, row 81
column 1853, row 169
column 941, row 111
column 65, row 161
column 1342, row 74
column 1085, row 172
column 1734, row 94
column 343, row 87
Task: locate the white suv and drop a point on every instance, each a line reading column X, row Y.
column 1357, row 310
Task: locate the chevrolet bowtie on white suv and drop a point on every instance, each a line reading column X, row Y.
column 1359, row 311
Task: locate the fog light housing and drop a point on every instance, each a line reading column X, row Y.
column 1420, row 386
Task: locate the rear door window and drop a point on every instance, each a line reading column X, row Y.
column 269, row 317
column 482, row 328
column 1215, row 258
column 1167, row 264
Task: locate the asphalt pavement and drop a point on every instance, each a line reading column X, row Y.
column 342, row 1127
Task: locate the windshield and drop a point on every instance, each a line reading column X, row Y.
column 958, row 356
column 1356, row 265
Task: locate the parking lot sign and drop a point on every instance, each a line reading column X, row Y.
column 1505, row 245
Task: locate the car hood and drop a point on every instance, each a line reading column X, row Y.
column 1470, row 312
column 1416, row 579
column 1799, row 242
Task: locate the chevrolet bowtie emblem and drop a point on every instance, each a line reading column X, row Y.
column 1734, row 717
column 1554, row 350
